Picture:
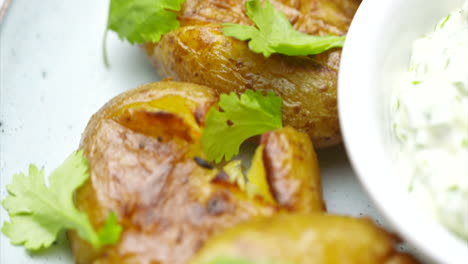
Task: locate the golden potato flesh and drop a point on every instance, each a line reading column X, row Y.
column 147, row 166
column 198, row 52
column 303, row 239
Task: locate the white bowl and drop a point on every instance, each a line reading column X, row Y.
column 374, row 59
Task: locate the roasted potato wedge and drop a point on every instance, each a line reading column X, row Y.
column 322, row 17
column 303, row 239
column 147, row 166
column 198, row 52
column 289, row 160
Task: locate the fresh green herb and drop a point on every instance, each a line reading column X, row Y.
column 274, row 33
column 411, row 184
column 445, row 21
column 461, row 88
column 398, row 104
column 447, row 63
column 464, row 142
column 241, row 118
column 38, row 212
column 454, row 188
column 416, row 82
column 140, row 21
column 403, row 137
column 400, row 135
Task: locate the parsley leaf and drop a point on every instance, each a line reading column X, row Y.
column 38, row 212
column 140, row 21
column 274, row 33
column 250, row 115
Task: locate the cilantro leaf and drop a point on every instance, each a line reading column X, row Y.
column 250, row 115
column 274, row 33
column 110, row 233
column 140, row 21
column 38, row 212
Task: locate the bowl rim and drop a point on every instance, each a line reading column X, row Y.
column 366, row 151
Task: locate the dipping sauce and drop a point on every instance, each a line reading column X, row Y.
column 431, row 122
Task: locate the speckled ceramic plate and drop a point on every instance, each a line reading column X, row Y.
column 52, row 79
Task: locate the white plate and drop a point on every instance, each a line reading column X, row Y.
column 52, row 79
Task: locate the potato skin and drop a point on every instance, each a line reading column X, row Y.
column 142, row 167
column 289, row 160
column 198, row 52
column 304, row 239
column 316, row 17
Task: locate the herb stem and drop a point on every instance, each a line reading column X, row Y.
column 104, row 50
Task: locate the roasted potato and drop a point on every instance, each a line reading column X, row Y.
column 303, row 239
column 147, row 166
column 198, row 52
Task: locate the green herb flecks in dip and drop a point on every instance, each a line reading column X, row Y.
column 431, row 121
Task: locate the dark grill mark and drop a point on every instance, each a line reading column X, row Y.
column 203, row 163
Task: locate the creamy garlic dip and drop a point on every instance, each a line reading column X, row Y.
column 431, row 122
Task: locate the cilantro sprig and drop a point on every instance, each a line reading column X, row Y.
column 140, row 21
column 241, row 117
column 274, row 34
column 39, row 212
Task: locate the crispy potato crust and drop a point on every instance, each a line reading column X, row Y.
column 289, row 160
column 146, row 165
column 198, row 52
column 304, row 239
